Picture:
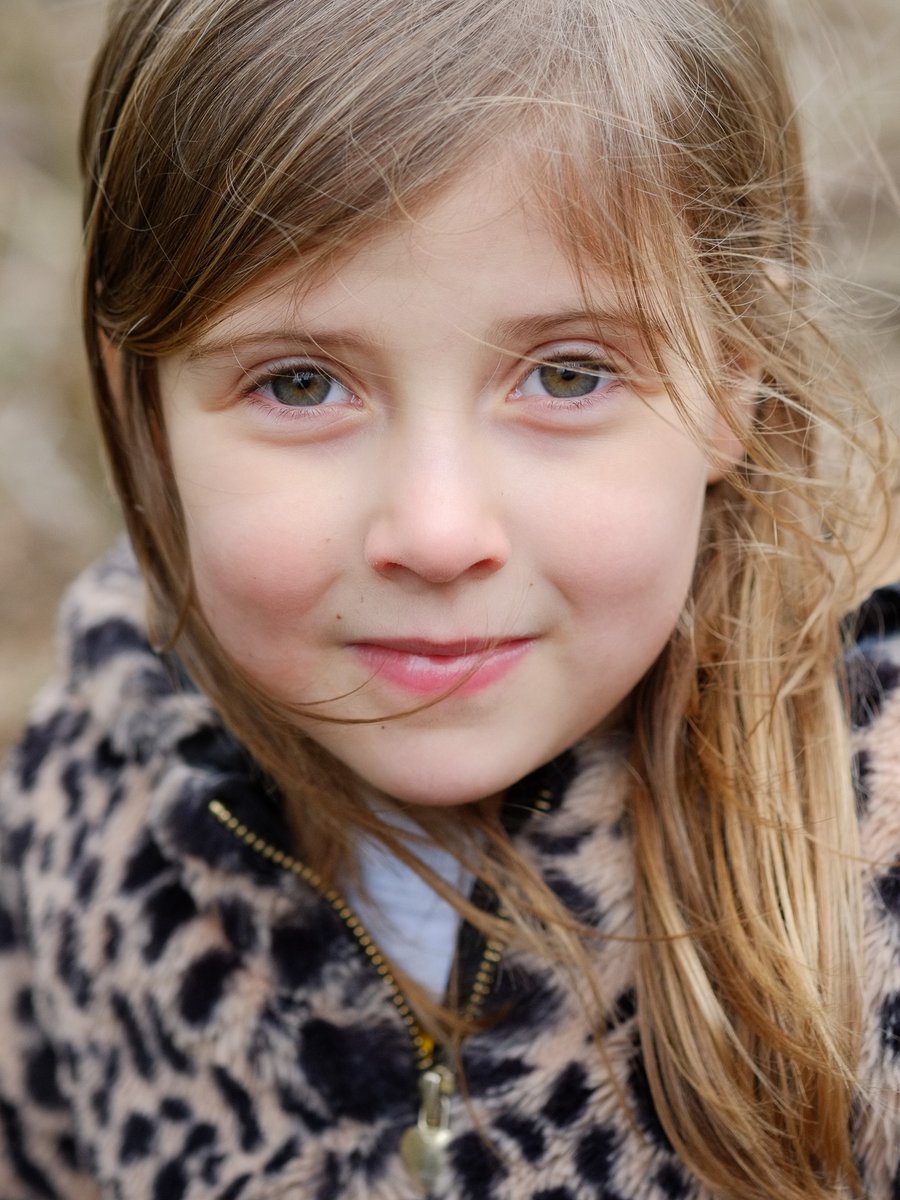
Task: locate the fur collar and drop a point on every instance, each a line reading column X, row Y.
column 199, row 1023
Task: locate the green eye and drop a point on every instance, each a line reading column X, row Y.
column 565, row 381
column 305, row 387
column 570, row 380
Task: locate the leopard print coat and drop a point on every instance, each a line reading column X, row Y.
column 183, row 1018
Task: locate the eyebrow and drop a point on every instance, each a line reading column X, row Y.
column 223, row 346
column 535, row 324
column 515, row 329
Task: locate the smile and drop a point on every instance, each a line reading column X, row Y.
column 427, row 668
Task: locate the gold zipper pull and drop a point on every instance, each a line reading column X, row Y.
column 423, row 1146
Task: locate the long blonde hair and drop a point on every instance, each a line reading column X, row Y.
column 223, row 137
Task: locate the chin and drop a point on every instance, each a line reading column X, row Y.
column 425, row 791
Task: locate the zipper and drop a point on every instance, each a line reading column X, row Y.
column 423, row 1044
column 423, row 1146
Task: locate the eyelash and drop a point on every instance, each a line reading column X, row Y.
column 275, row 411
column 585, row 363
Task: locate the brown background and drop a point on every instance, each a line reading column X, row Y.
column 55, row 510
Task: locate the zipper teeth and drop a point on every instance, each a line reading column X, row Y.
column 484, row 979
column 422, row 1044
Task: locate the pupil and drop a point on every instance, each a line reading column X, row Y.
column 301, row 388
column 567, row 381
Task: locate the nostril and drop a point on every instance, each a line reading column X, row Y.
column 436, row 564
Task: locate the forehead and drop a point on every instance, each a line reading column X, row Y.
column 482, row 257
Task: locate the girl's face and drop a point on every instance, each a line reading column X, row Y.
column 426, row 474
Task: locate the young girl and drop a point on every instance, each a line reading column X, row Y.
column 448, row 791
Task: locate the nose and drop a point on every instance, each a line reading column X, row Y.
column 438, row 515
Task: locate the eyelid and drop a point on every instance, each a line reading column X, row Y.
column 256, row 379
column 574, row 352
column 284, row 366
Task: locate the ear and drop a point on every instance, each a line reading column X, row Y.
column 728, row 433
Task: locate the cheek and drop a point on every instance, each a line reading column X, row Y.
column 261, row 569
column 627, row 560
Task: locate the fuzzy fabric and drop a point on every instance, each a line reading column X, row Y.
column 183, row 1019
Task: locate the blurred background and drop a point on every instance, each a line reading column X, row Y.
column 56, row 512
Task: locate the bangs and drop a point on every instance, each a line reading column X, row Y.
column 210, row 169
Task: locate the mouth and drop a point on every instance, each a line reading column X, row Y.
column 461, row 667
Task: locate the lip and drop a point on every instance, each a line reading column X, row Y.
column 423, row 668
